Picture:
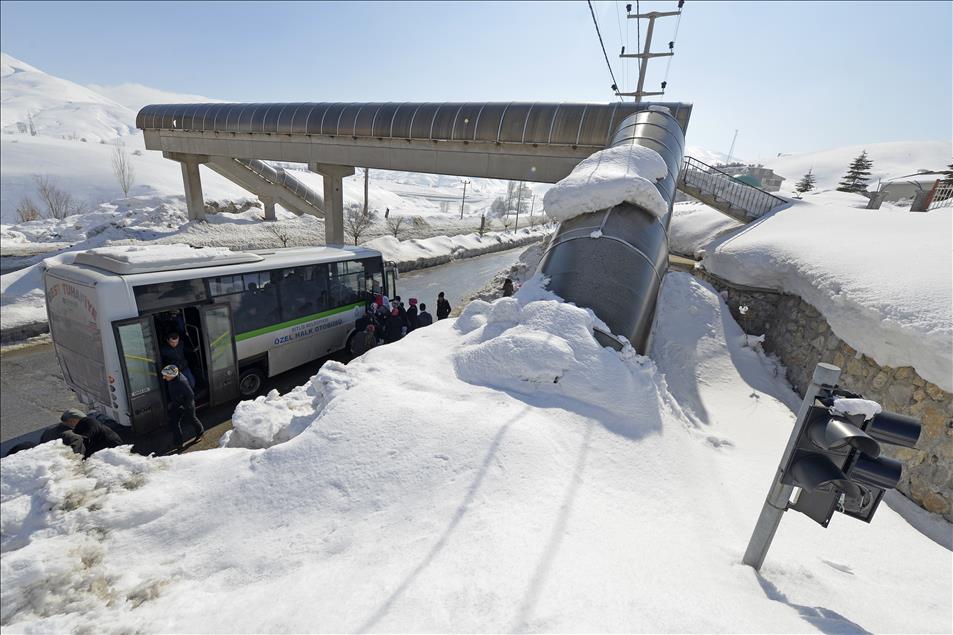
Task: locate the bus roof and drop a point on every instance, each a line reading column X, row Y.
column 180, row 259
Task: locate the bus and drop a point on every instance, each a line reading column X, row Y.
column 242, row 316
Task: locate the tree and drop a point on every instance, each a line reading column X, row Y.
column 280, row 232
column 27, row 210
column 806, row 184
column 857, row 175
column 122, row 168
column 356, row 222
column 498, row 207
column 394, row 225
column 482, row 229
column 59, row 203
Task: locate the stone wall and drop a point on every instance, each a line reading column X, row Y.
column 800, row 336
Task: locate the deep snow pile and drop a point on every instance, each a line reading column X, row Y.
column 523, row 478
column 883, row 280
column 626, row 173
column 417, row 253
column 694, row 225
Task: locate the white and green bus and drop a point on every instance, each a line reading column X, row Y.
column 242, row 316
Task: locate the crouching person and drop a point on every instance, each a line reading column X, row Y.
column 181, row 404
column 95, row 437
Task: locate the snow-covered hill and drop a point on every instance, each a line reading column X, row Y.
column 135, row 96
column 57, row 107
column 891, row 159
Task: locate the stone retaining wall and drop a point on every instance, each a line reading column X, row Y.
column 800, row 336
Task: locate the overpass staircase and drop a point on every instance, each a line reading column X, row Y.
column 725, row 193
column 269, row 182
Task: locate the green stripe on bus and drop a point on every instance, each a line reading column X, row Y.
column 301, row 320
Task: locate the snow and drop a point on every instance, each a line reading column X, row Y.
column 851, row 406
column 881, row 279
column 607, row 178
column 890, row 160
column 22, row 300
column 417, row 253
column 135, row 96
column 442, row 496
column 160, row 255
column 694, row 225
column 58, row 107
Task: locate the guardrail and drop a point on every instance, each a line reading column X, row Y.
column 726, row 190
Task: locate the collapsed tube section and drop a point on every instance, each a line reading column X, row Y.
column 613, row 260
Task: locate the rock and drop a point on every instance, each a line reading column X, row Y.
column 900, row 392
column 904, row 372
column 881, row 379
column 936, row 503
column 936, row 392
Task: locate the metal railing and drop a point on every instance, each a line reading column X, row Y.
column 281, row 178
column 942, row 195
column 726, row 189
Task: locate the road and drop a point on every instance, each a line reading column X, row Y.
column 34, row 394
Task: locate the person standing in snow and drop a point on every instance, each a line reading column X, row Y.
column 181, row 404
column 424, row 318
column 412, row 315
column 393, row 327
column 507, row 288
column 443, row 307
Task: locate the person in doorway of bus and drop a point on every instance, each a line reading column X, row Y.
column 443, row 307
column 424, row 318
column 412, row 315
column 363, row 341
column 507, row 288
column 393, row 327
column 96, row 436
column 173, row 354
column 181, row 404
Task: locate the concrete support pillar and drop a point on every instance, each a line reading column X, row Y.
column 333, row 199
column 194, row 199
column 269, row 204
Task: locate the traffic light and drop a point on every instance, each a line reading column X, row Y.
column 837, row 459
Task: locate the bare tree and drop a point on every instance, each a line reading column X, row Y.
column 279, row 231
column 394, row 225
column 27, row 210
column 59, row 203
column 420, row 224
column 32, row 126
column 122, row 168
column 356, row 222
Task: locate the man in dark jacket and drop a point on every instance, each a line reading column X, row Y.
column 68, row 421
column 443, row 307
column 181, row 404
column 173, row 354
column 96, row 436
column 424, row 318
column 412, row 315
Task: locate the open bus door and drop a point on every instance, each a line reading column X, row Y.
column 390, row 279
column 222, row 365
column 139, row 353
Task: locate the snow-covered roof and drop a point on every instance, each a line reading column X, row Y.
column 919, row 177
column 148, row 258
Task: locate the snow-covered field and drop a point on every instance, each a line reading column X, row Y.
column 523, row 478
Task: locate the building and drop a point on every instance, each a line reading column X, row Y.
column 905, row 188
column 756, row 175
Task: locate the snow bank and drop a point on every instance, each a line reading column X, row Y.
column 440, row 496
column 884, row 281
column 425, row 252
column 694, row 225
column 22, row 300
column 609, row 177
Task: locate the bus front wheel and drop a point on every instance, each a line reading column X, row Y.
column 250, row 381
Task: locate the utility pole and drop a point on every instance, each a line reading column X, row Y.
column 366, row 178
column 646, row 53
column 462, row 202
column 731, row 150
column 519, row 200
column 532, row 206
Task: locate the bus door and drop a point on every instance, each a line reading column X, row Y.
column 139, row 352
column 390, row 279
column 222, row 365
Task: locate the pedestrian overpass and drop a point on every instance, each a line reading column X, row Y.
column 611, row 261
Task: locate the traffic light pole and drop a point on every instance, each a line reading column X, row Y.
column 779, row 495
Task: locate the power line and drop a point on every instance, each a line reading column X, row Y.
column 619, row 23
column 678, row 22
column 615, row 85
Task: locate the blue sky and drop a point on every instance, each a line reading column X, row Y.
column 792, row 77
